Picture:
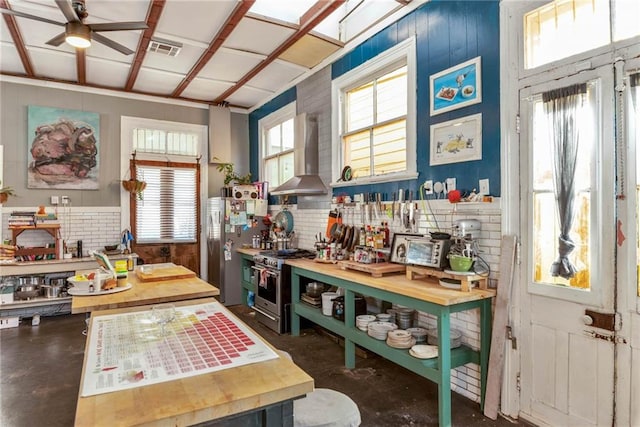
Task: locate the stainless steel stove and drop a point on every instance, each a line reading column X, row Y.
column 272, row 287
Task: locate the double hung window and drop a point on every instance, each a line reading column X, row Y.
column 277, row 144
column 374, row 109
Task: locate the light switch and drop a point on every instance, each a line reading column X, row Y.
column 484, row 187
column 451, row 184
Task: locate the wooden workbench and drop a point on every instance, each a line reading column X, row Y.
column 142, row 293
column 424, row 295
column 240, row 392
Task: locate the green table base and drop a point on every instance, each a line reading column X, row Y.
column 437, row 369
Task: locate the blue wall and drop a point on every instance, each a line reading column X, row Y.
column 447, row 33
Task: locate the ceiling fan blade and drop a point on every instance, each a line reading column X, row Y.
column 110, row 43
column 119, row 26
column 57, row 40
column 28, row 16
column 67, row 10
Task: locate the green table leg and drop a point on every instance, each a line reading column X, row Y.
column 349, row 321
column 295, row 297
column 444, row 369
column 485, row 344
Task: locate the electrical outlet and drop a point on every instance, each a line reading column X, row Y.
column 451, row 184
column 65, row 200
column 428, row 187
column 484, row 187
column 55, row 200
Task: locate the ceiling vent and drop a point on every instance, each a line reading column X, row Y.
column 165, row 47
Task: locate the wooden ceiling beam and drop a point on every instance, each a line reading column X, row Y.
column 309, row 20
column 227, row 28
column 153, row 17
column 10, row 20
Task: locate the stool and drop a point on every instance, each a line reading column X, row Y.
column 325, row 408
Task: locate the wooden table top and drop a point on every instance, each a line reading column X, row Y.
column 142, row 293
column 195, row 399
column 426, row 289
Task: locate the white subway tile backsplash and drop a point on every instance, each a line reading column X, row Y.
column 95, row 226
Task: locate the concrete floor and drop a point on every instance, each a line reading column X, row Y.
column 40, row 370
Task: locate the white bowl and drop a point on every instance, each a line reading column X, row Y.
column 81, row 283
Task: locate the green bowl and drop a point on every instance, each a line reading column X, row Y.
column 460, row 263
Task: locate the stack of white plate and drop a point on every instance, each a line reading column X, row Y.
column 363, row 320
column 400, row 339
column 383, row 317
column 420, row 334
column 379, row 330
column 422, row 351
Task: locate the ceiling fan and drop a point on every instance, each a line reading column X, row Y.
column 77, row 33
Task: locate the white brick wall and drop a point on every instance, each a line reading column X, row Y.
column 95, row 226
column 466, row 379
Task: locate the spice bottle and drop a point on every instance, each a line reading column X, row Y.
column 130, row 263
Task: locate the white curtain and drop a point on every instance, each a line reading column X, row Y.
column 561, row 107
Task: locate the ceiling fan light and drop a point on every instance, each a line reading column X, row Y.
column 78, row 35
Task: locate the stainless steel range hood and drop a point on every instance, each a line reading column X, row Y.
column 308, row 183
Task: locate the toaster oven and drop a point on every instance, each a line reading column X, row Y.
column 428, row 253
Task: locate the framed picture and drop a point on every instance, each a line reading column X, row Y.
column 399, row 247
column 455, row 141
column 63, row 149
column 456, row 87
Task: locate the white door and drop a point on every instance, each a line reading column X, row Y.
column 567, row 374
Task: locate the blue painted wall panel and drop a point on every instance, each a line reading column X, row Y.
column 447, row 33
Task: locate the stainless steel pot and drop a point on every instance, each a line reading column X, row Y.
column 51, row 291
column 27, row 291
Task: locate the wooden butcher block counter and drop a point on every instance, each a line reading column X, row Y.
column 146, row 292
column 233, row 396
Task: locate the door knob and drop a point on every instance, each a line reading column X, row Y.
column 587, row 320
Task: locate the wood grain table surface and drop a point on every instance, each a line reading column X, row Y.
column 194, row 399
column 142, row 293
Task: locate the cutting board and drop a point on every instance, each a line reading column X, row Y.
column 162, row 272
column 376, row 270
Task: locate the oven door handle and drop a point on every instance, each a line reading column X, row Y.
column 253, row 307
column 260, row 270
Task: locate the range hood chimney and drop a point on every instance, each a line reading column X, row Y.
column 310, row 182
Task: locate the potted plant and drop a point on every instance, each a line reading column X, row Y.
column 5, row 192
column 134, row 186
column 231, row 176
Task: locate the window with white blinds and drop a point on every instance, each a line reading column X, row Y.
column 167, row 208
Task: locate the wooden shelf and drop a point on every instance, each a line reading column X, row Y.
column 52, row 229
column 466, row 280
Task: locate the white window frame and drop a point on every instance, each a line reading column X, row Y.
column 127, row 125
column 267, row 122
column 405, row 50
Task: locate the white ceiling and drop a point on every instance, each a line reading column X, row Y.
column 259, row 57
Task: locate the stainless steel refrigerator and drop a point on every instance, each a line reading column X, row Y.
column 225, row 217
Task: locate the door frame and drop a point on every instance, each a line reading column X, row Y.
column 627, row 297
